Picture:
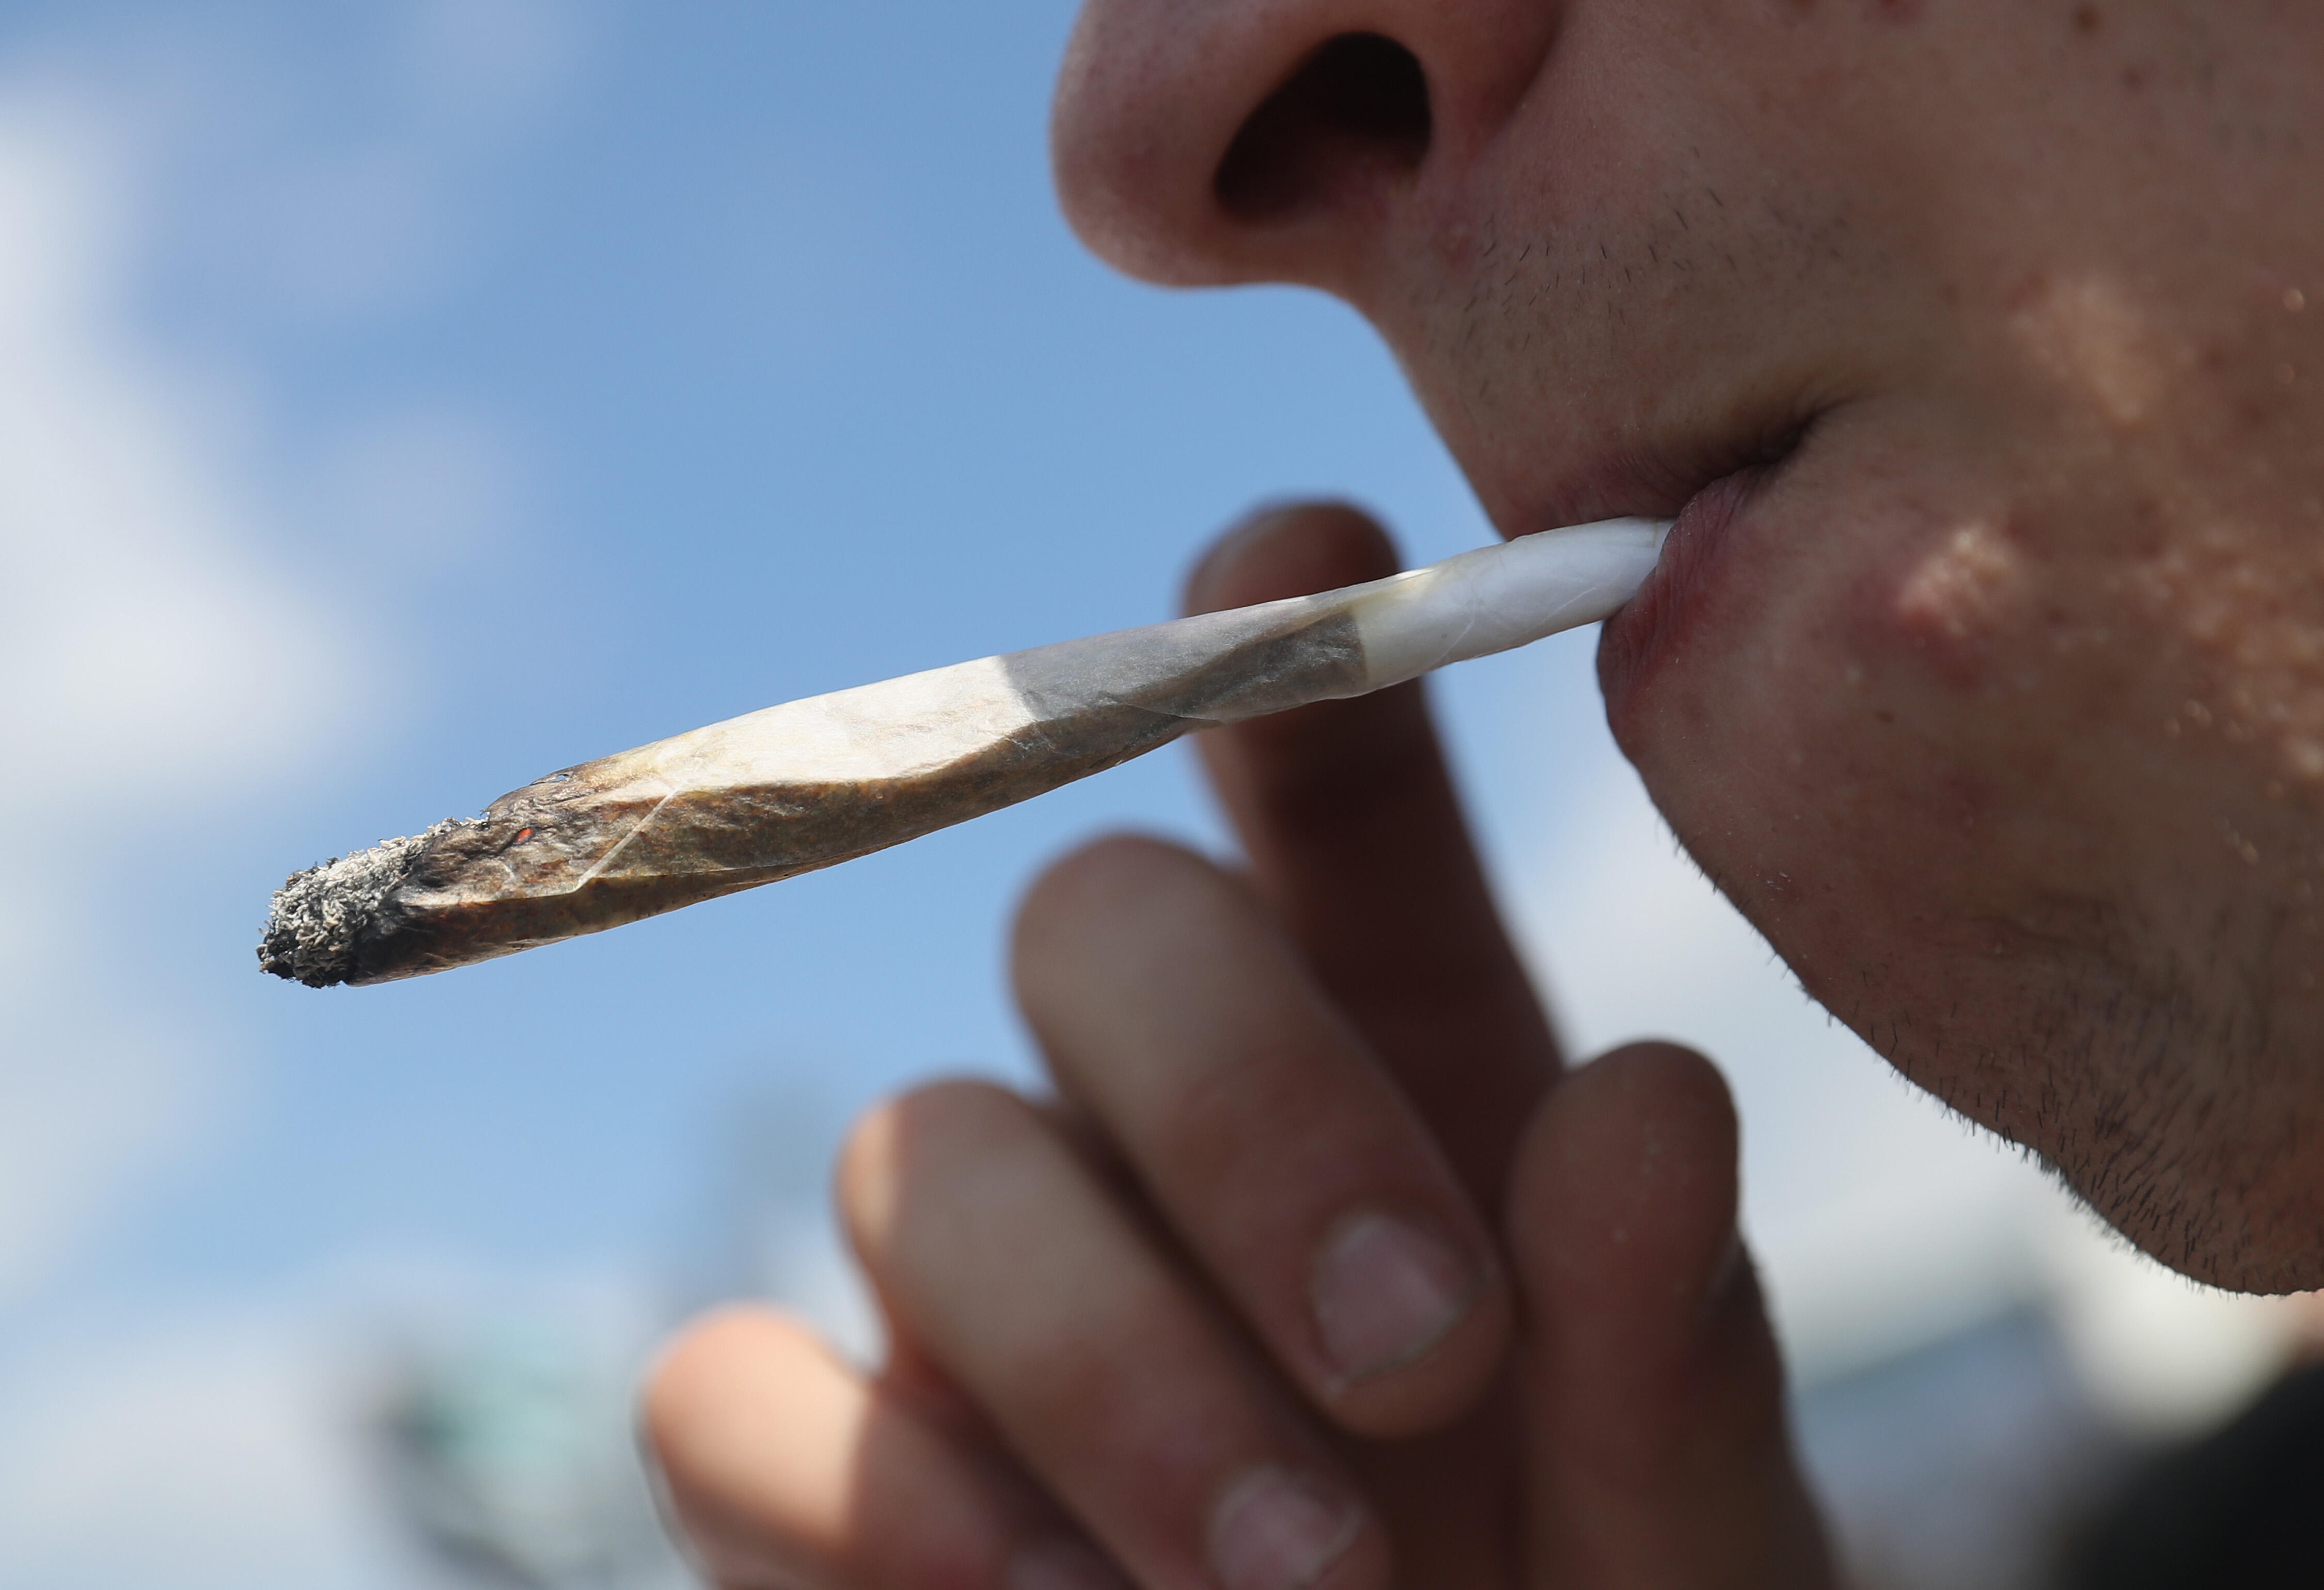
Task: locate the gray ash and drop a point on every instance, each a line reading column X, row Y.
column 320, row 916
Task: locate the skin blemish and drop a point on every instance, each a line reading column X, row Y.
column 1961, row 590
column 2088, row 22
column 2250, row 619
column 2094, row 339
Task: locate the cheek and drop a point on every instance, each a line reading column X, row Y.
column 1879, row 752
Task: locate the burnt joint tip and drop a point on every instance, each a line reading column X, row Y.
column 323, row 917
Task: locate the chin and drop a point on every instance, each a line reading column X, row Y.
column 1864, row 702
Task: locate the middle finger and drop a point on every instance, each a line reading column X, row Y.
column 1357, row 844
column 1271, row 1140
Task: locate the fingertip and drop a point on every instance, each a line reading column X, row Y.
column 1113, row 891
column 1097, row 876
column 677, row 1396
column 778, row 1466
column 1629, row 1170
column 699, row 1355
column 1289, row 549
column 1655, row 1388
column 753, row 1430
column 898, row 1137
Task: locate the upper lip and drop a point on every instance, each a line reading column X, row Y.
column 1656, row 481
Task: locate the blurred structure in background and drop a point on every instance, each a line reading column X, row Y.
column 1988, row 1461
column 1963, row 1465
column 766, row 1229
column 2237, row 1507
column 1983, row 1459
column 501, row 1434
column 508, row 1450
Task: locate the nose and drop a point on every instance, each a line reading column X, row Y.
column 1220, row 140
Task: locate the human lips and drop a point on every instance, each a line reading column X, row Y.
column 1654, row 626
column 1703, row 486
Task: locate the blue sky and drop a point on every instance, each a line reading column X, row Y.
column 782, row 374
column 400, row 399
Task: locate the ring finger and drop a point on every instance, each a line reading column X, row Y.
column 994, row 1248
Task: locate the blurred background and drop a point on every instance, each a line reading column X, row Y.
column 399, row 398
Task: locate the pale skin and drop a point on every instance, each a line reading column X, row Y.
column 1978, row 346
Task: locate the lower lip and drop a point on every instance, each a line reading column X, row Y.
column 1654, row 626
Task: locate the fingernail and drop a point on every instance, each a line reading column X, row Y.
column 1386, row 1293
column 1059, row 1562
column 1272, row 1531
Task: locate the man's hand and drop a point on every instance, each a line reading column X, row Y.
column 1315, row 1272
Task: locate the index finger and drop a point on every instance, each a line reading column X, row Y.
column 1358, row 842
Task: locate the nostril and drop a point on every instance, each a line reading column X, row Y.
column 1356, row 110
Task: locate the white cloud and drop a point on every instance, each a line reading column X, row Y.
column 92, row 1112
column 144, row 642
column 314, row 179
column 242, row 1443
column 151, row 635
column 142, row 631
column 199, row 1451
